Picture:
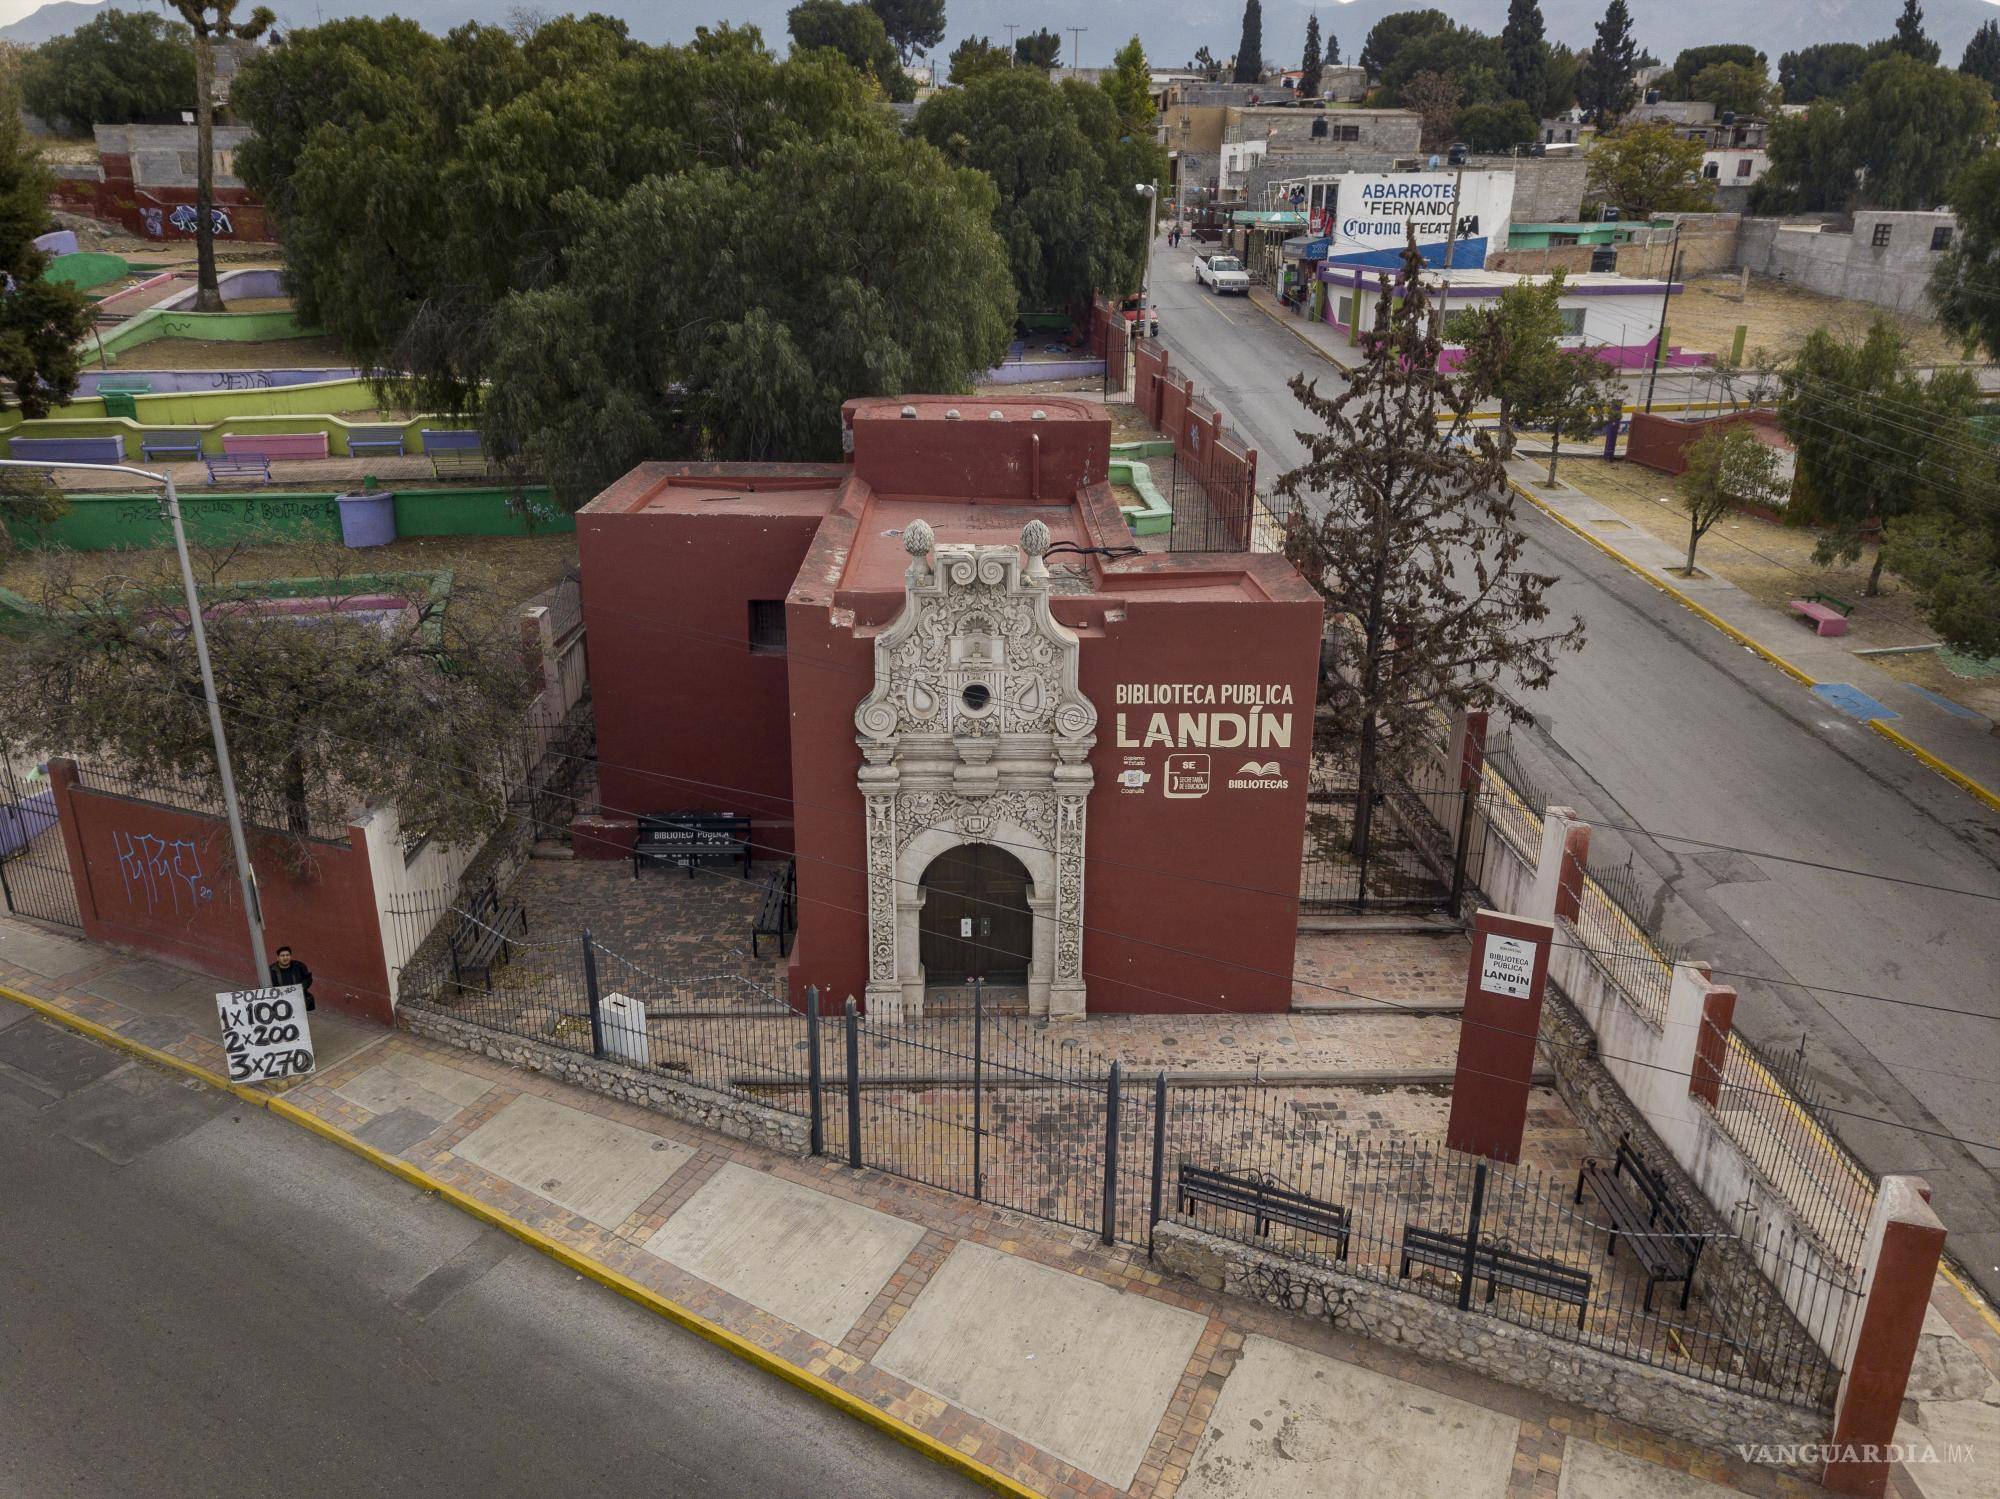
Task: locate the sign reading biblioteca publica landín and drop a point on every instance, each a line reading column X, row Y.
column 265, row 1034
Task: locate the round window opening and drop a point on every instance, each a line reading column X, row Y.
column 976, row 697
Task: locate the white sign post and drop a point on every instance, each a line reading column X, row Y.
column 1508, row 966
column 265, row 1034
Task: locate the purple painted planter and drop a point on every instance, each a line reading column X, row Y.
column 367, row 520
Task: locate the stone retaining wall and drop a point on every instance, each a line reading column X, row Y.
column 1657, row 1399
column 738, row 1118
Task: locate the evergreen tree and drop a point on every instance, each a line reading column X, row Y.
column 1129, row 86
column 1401, row 518
column 41, row 322
column 1982, row 55
column 1332, row 50
column 1309, row 64
column 1526, row 53
column 1605, row 86
column 1910, row 39
column 1250, row 51
column 1038, row 49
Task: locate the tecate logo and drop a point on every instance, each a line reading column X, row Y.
column 1258, row 775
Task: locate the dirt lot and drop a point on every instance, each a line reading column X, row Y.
column 1773, row 564
column 200, row 354
column 1779, row 316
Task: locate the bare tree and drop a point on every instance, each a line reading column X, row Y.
column 1401, row 518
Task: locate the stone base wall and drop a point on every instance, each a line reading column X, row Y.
column 736, row 1117
column 1657, row 1399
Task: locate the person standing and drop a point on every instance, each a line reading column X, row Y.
column 288, row 971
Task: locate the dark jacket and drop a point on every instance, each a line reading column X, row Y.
column 284, row 975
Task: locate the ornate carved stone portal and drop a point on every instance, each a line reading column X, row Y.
column 975, row 733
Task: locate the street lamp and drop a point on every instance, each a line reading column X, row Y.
column 246, row 877
column 1151, row 194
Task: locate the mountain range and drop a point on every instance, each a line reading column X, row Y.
column 1173, row 29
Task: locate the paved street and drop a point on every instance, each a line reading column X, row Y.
column 1657, row 701
column 199, row 1299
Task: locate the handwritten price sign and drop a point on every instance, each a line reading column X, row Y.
column 264, row 1034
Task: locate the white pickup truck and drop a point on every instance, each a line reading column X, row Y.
column 1221, row 273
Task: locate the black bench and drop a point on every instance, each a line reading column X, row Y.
column 1646, row 1215
column 691, row 839
column 485, row 935
column 779, row 915
column 1265, row 1201
column 1499, row 1267
column 237, row 466
column 170, row 444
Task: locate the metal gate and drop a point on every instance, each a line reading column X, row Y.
column 34, row 864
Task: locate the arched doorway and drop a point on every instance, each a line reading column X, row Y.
column 975, row 921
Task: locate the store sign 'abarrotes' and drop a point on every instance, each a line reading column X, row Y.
column 265, row 1035
column 1205, row 715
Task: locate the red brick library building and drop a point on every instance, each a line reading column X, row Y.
column 998, row 743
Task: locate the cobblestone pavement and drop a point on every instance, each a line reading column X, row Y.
column 1547, row 1431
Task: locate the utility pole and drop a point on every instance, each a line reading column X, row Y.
column 1012, row 27
column 1075, row 47
column 1450, row 244
column 1660, row 342
column 253, row 917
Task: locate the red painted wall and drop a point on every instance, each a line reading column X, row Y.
column 1661, row 442
column 162, row 881
column 687, row 717
column 117, row 200
column 974, row 457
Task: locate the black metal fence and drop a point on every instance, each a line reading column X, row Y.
column 1005, row 1110
column 1117, row 354
column 35, row 876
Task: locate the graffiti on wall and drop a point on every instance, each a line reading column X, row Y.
column 152, row 220
column 186, row 219
column 163, row 874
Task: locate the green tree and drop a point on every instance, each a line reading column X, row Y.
column 913, row 25
column 1726, row 469
column 1572, row 393
column 1678, row 81
column 1559, row 92
column 855, row 32
column 1895, row 140
column 1039, row 49
column 1129, row 86
column 1526, row 53
column 1063, row 166
column 977, row 55
column 1648, row 169
column 124, row 65
column 1950, row 558
column 1399, row 502
column 1982, row 55
column 1822, row 71
column 1474, row 62
column 1497, row 127
column 1910, row 39
column 1732, row 89
column 1875, row 442
column 1965, row 283
column 424, row 714
column 619, row 364
column 211, row 21
column 1309, row 61
column 1387, row 37
column 1604, row 85
column 1507, row 342
column 41, row 322
column 1250, row 50
column 1332, row 59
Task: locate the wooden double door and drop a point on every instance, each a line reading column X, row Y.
column 975, row 921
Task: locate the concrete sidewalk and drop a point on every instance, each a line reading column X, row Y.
column 1846, row 685
column 1072, row 1368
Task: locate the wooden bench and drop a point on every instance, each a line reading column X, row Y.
column 1499, row 1268
column 1646, row 1216
column 1825, row 613
column 170, row 444
column 1266, row 1202
column 376, row 440
column 278, row 445
column 57, row 451
column 237, row 466
column 692, row 839
column 455, row 453
column 486, row 934
column 779, row 915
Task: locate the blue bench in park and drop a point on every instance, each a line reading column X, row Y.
column 60, row 450
column 387, row 440
column 223, row 466
column 170, row 444
column 455, row 452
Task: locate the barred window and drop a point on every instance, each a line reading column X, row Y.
column 767, row 627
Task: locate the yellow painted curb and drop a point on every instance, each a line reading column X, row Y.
column 848, row 1404
column 1950, row 772
column 1979, row 1303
